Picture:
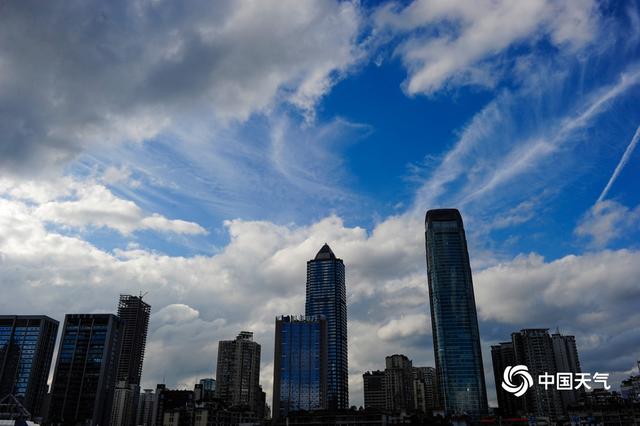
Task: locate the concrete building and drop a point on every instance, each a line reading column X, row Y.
column 375, row 394
column 238, row 372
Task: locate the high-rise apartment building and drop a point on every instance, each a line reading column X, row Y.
column 398, row 379
column 300, row 365
column 26, row 351
column 85, row 375
column 542, row 354
column 456, row 338
column 533, row 347
column 326, row 296
column 375, row 394
column 238, row 372
column 425, row 389
column 146, row 404
column 565, row 353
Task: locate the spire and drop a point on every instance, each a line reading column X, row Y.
column 325, row 253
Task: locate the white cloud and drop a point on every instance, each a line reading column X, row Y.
column 460, row 42
column 129, row 71
column 81, row 204
column 407, row 325
column 606, row 221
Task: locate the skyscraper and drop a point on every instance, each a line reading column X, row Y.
column 327, row 296
column 541, row 353
column 85, row 374
column 300, row 365
column 26, row 351
column 565, row 353
column 456, row 339
column 135, row 316
column 238, row 372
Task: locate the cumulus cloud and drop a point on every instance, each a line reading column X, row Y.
column 80, row 204
column 199, row 300
column 606, row 221
column 461, row 42
column 126, row 71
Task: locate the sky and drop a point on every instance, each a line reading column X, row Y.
column 204, row 151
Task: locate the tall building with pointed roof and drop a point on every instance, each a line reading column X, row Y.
column 327, row 296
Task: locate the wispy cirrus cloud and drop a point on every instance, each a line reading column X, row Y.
column 462, row 42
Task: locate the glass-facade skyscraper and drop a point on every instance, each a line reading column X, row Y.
column 327, row 297
column 456, row 339
column 300, row 365
column 84, row 380
column 26, row 351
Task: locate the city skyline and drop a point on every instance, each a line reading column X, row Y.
column 204, row 153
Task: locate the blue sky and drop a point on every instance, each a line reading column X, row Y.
column 204, row 153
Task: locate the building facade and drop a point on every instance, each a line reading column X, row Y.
column 425, row 389
column 146, row 404
column 85, row 375
column 134, row 313
column 326, row 296
column 398, row 379
column 300, row 365
column 503, row 356
column 238, row 372
column 26, row 352
column 375, row 395
column 456, row 338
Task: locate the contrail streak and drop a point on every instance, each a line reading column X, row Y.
column 621, row 164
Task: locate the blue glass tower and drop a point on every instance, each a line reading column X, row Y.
column 456, row 339
column 26, row 351
column 300, row 365
column 327, row 296
column 84, row 380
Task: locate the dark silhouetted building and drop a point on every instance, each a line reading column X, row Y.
column 134, row 313
column 565, row 354
column 398, row 379
column 375, row 396
column 503, row 356
column 146, row 405
column 85, row 374
column 238, row 372
column 456, row 339
column 542, row 354
column 630, row 388
column 26, row 351
column 300, row 365
column 327, row 297
column 173, row 407
column 425, row 389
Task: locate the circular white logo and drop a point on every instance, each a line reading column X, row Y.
column 517, row 370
